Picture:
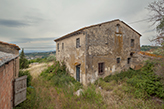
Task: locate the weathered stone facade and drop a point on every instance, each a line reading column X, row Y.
column 112, row 44
column 9, row 69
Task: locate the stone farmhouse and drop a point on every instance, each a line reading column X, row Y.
column 99, row 50
column 9, row 69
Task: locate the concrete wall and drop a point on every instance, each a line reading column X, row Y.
column 73, row 56
column 6, row 85
column 105, row 45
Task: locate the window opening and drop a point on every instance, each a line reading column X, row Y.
column 101, row 68
column 132, row 42
column 77, row 42
column 62, row 45
column 131, row 54
column 117, row 28
column 118, row 60
column 128, row 60
column 58, row 46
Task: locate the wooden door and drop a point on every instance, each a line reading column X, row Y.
column 78, row 73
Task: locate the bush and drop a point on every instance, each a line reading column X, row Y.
column 51, row 58
column 29, row 77
column 90, row 95
column 148, row 81
column 58, row 75
column 122, row 75
column 144, row 81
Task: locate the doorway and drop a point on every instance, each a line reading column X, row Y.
column 78, row 73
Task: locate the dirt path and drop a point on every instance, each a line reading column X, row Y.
column 36, row 69
column 47, row 96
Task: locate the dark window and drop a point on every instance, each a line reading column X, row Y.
column 58, row 46
column 110, row 68
column 77, row 42
column 101, row 68
column 132, row 42
column 128, row 60
column 131, row 54
column 117, row 28
column 62, row 45
column 118, row 60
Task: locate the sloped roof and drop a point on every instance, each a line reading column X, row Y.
column 6, row 57
column 93, row 26
column 14, row 45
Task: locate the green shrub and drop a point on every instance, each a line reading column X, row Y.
column 51, row 58
column 105, row 85
column 29, row 77
column 90, row 95
column 122, row 75
column 148, row 81
column 58, row 75
column 145, row 82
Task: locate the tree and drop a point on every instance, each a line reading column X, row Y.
column 157, row 17
column 23, row 62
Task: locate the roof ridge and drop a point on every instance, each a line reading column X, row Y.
column 93, row 26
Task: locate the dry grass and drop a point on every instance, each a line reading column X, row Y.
column 36, row 69
column 48, row 97
column 114, row 96
column 119, row 99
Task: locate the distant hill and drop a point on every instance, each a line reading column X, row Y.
column 148, row 47
column 35, row 55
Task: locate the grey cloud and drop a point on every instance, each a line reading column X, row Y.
column 12, row 23
column 148, row 31
column 28, row 40
column 46, row 20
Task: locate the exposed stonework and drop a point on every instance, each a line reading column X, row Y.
column 101, row 43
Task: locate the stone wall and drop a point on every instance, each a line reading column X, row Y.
column 105, row 45
column 6, row 85
column 73, row 56
column 101, row 43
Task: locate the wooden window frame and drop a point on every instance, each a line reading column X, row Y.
column 101, row 68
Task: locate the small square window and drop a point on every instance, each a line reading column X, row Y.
column 118, row 60
column 101, row 68
column 131, row 54
column 77, row 42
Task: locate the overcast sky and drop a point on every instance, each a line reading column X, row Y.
column 36, row 23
